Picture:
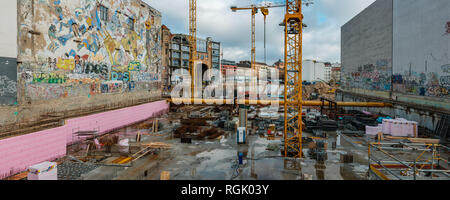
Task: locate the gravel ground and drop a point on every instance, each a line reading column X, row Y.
column 73, row 171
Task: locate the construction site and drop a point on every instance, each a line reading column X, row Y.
column 102, row 90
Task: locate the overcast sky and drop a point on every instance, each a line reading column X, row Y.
column 215, row 19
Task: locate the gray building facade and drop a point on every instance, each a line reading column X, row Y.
column 208, row 52
column 367, row 49
column 399, row 51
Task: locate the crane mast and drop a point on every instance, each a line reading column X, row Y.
column 254, row 12
column 193, row 42
column 293, row 79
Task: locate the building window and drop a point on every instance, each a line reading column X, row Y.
column 185, row 64
column 175, row 47
column 176, row 63
column 201, row 45
column 186, row 56
column 104, row 13
column 131, row 23
column 185, row 48
column 176, row 55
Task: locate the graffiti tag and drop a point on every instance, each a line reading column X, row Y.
column 7, row 86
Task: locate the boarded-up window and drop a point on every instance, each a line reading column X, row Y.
column 8, row 81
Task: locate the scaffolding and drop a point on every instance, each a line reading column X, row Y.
column 429, row 164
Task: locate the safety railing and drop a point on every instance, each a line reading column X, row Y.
column 386, row 163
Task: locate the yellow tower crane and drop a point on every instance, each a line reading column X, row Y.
column 293, row 29
column 293, row 23
column 293, row 33
column 193, row 42
column 265, row 12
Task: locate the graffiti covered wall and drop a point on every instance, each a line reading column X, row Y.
column 422, row 48
column 399, row 47
column 375, row 76
column 86, row 48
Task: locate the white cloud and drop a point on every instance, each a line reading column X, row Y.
column 215, row 19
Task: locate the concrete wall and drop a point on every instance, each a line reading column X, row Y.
column 422, row 48
column 71, row 59
column 18, row 153
column 366, row 54
column 425, row 118
column 8, row 30
column 406, row 46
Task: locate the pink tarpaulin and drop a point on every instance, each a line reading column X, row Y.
column 18, row 153
column 109, row 121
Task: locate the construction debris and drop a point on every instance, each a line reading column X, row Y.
column 73, row 171
column 346, row 158
column 273, row 147
column 319, row 90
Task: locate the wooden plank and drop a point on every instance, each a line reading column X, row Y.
column 424, row 140
column 396, row 138
column 18, row 177
column 126, row 160
column 165, row 176
column 157, row 145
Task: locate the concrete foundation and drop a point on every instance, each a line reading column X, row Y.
column 427, row 117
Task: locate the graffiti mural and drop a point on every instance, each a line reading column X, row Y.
column 424, row 84
column 375, row 76
column 90, row 47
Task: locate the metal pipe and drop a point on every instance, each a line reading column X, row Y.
column 269, row 102
column 392, row 148
column 401, row 162
column 434, row 170
column 387, row 169
column 411, row 144
column 410, row 162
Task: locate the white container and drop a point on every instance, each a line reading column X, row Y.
column 386, row 126
column 396, row 128
column 373, row 130
column 241, row 135
column 43, row 171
